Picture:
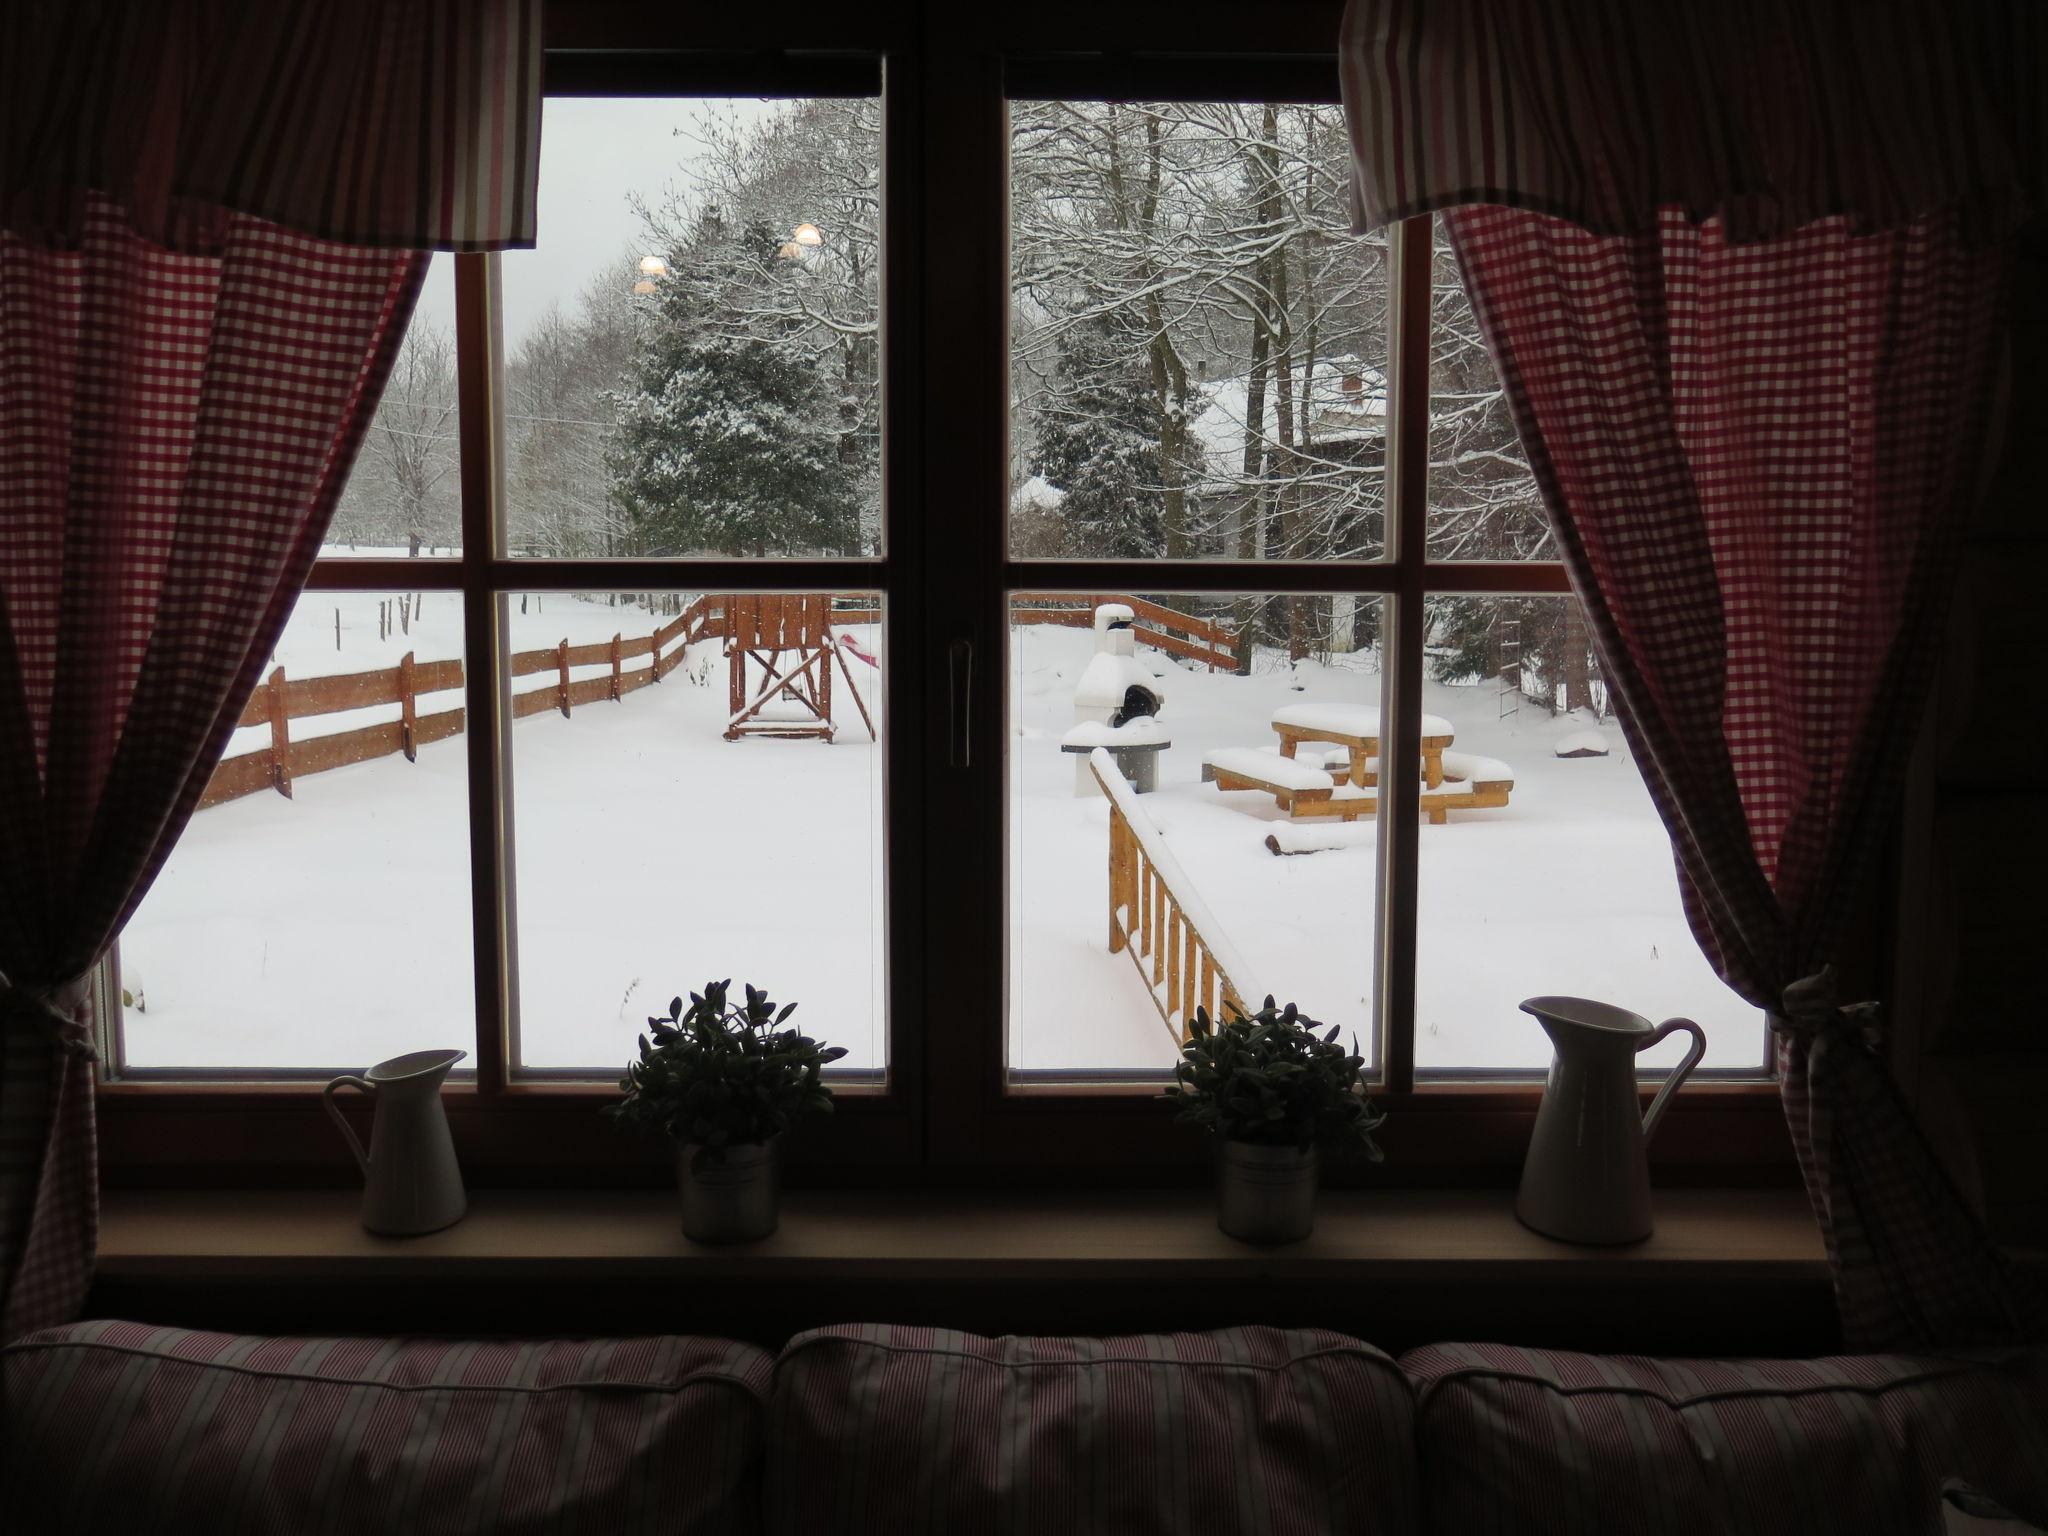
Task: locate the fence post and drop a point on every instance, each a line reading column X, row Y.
column 280, row 737
column 615, row 668
column 337, row 629
column 562, row 688
column 408, row 710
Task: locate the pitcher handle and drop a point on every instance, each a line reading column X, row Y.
column 1692, row 1059
column 334, row 1110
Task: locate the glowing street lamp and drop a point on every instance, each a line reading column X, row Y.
column 653, row 266
column 808, row 235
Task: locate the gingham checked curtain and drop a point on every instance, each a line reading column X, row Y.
column 1744, row 272
column 403, row 123
column 213, row 219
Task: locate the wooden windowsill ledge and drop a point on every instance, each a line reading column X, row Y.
column 923, row 1237
column 1728, row 1272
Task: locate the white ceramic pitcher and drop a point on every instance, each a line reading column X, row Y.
column 411, row 1183
column 1587, row 1176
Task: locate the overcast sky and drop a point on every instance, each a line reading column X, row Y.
column 594, row 152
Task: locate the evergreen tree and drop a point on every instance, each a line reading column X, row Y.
column 730, row 444
column 1097, row 431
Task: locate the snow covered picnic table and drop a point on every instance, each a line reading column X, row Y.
column 1356, row 728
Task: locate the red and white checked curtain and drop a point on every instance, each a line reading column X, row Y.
column 214, row 220
column 1743, row 269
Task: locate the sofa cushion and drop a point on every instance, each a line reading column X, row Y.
column 1251, row 1429
column 1531, row 1441
column 102, row 1421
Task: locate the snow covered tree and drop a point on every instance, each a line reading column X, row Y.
column 729, row 444
column 1097, row 444
column 1209, row 238
column 560, row 421
column 404, row 489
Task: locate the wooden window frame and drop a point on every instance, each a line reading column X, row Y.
column 948, row 1113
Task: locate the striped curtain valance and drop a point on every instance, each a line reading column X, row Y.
column 389, row 123
column 1768, row 113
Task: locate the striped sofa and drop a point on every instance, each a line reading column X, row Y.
column 121, row 1427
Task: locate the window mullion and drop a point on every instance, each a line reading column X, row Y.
column 478, row 376
column 1401, row 681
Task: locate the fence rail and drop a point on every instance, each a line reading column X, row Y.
column 1156, row 917
column 1169, row 629
column 279, row 700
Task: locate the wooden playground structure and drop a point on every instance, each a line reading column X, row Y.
column 788, row 637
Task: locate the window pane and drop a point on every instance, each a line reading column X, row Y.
column 330, row 929
column 1197, row 373
column 404, row 496
column 1177, row 696
column 706, row 806
column 1483, row 502
column 693, row 347
column 1568, row 887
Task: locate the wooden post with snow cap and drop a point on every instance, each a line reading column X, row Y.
column 280, row 737
column 616, row 691
column 562, row 687
column 408, row 710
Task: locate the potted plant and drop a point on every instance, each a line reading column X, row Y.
column 1274, row 1092
column 723, row 1082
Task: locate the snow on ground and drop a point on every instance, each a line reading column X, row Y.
column 1570, row 888
column 332, row 929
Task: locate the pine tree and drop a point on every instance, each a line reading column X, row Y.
column 1097, row 435
column 730, row 444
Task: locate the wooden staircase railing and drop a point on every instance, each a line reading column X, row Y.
column 1156, row 917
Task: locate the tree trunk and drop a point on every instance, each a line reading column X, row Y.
column 1577, row 674
column 1284, row 462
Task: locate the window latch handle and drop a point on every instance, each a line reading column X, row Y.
column 959, row 700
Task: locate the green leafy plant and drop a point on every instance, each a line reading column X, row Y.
column 717, row 1075
column 1270, row 1079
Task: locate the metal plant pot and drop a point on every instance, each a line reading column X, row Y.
column 734, row 1201
column 1265, row 1194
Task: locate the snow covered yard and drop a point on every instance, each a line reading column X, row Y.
column 1569, row 888
column 333, row 929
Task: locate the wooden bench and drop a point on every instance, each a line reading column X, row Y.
column 1487, row 783
column 1296, row 788
column 1305, row 792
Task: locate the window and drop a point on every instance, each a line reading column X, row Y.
column 723, row 591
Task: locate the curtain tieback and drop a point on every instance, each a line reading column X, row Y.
column 56, row 1009
column 1808, row 1011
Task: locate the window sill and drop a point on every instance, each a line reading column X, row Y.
column 1138, row 1236
column 1727, row 1271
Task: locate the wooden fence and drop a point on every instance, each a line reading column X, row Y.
column 1156, row 917
column 280, row 700
column 1179, row 634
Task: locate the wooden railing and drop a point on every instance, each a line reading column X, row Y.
column 1156, row 917
column 278, row 701
column 615, row 653
column 1179, row 634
